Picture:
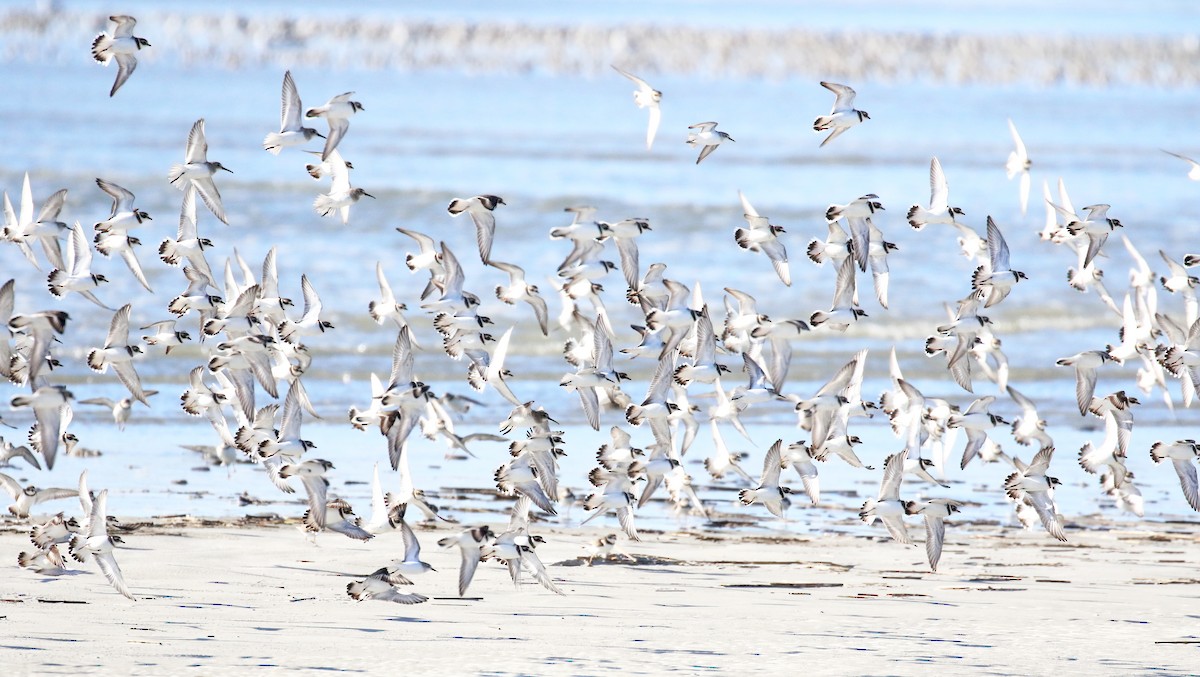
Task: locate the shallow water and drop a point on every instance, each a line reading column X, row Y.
column 547, row 141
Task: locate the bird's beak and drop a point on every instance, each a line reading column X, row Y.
column 227, row 169
column 368, row 195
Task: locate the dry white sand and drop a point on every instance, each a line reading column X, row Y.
column 222, row 599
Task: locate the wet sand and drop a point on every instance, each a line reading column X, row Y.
column 226, row 597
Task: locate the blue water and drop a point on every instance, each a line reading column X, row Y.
column 548, row 141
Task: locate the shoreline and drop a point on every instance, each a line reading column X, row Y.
column 224, row 598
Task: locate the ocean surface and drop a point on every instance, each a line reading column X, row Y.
column 518, row 100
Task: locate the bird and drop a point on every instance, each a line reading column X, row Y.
column 48, row 403
column 470, row 543
column 646, row 96
column 59, row 528
column 1096, row 226
column 887, row 507
column 285, row 440
column 919, row 467
column 655, row 409
column 337, row 112
column 707, row 136
column 1183, row 455
column 722, row 460
column 997, row 278
column 197, row 171
column 863, row 207
column 340, row 196
column 188, row 245
column 1028, row 427
column 386, row 306
column 798, row 455
column 122, row 244
column 1085, row 363
column 625, row 233
column 605, row 548
column 40, row 327
column 976, row 420
column 521, row 476
column 495, row 373
column 583, row 232
column 1126, row 495
column 835, row 247
column 121, row 44
column 339, row 517
column 769, row 492
column 844, row 309
column 939, row 210
column 118, row 353
column 1116, row 410
column 97, row 544
column 124, row 215
column 615, row 483
column 1018, row 163
column 518, row 290
column 704, row 367
column 9, row 451
column 935, row 513
column 877, row 253
column 25, row 498
column 763, row 236
column 410, row 564
column 515, row 547
column 655, row 469
column 291, row 132
column 121, row 409
column 384, row 507
column 594, row 373
column 843, row 116
column 1032, row 483
column 46, row 562
column 1193, row 166
column 310, row 323
column 27, row 227
column 316, row 486
column 77, row 276
column 379, row 585
column 480, row 209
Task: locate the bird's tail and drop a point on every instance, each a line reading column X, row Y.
column 357, row 590
column 816, row 252
column 867, row 513
column 273, row 143
column 95, row 360
column 175, row 174
column 100, row 48
column 324, row 205
column 168, row 253
column 373, row 310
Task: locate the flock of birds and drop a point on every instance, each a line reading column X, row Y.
column 256, row 347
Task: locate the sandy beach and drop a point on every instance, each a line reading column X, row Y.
column 227, row 597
